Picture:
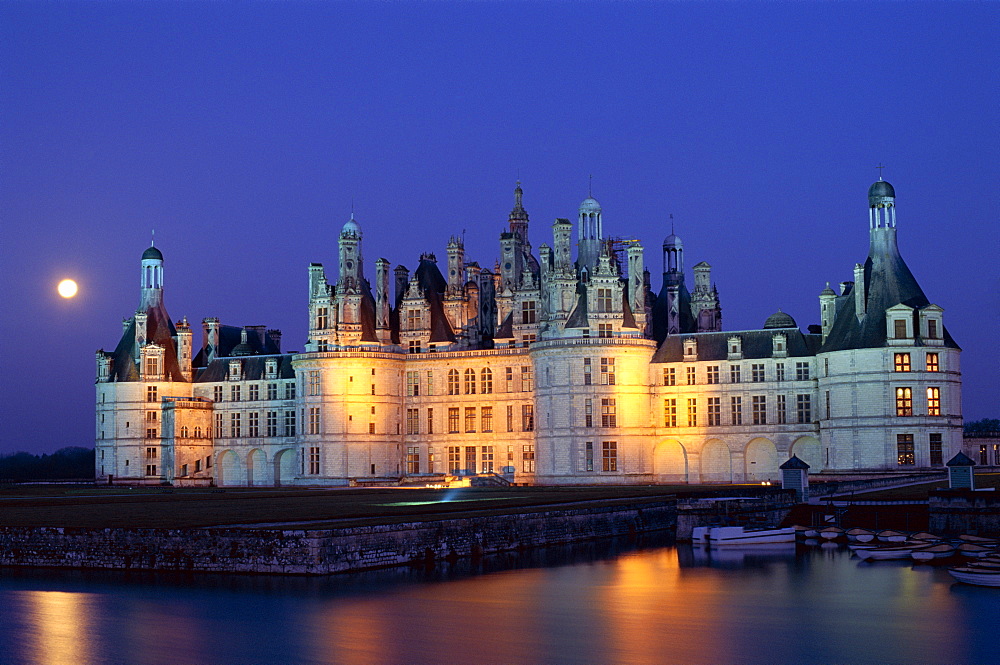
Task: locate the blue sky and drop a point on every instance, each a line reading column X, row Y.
column 242, row 132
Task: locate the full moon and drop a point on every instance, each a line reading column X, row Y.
column 67, row 288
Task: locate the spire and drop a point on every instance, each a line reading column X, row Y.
column 519, row 216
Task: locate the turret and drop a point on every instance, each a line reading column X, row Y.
column 382, row 305
column 151, row 278
column 590, row 234
column 351, row 260
column 184, row 351
column 456, row 265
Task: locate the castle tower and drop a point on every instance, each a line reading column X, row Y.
column 151, row 279
column 705, row 306
column 590, row 234
column 382, row 304
column 456, row 265
column 351, row 260
column 518, row 219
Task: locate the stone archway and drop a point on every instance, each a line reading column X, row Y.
column 716, row 462
column 670, row 462
column 256, row 468
column 229, row 470
column 809, row 450
column 284, row 467
column 761, row 461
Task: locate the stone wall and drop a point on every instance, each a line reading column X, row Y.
column 954, row 512
column 758, row 511
column 318, row 552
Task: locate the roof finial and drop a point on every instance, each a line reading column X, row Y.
column 152, row 239
column 880, row 167
column 352, row 207
column 590, row 185
column 671, row 223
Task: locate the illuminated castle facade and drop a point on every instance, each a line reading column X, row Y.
column 547, row 368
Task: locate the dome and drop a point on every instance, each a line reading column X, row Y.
column 780, row 320
column 673, row 241
column 242, row 349
column 590, row 204
column 152, row 253
column 351, row 228
column 881, row 189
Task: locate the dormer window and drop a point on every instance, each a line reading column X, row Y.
column 779, row 346
column 899, row 325
column 271, row 369
column 235, row 370
column 931, row 327
column 690, row 349
column 735, row 348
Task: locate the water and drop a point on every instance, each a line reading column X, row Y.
column 603, row 603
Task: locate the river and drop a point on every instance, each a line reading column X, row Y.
column 599, row 603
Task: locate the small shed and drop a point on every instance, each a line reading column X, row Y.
column 795, row 476
column 960, row 472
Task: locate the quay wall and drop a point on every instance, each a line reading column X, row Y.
column 759, row 511
column 324, row 551
column 954, row 512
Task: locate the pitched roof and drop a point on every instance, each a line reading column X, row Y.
column 159, row 330
column 254, row 368
column 756, row 344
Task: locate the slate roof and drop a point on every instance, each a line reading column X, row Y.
column 253, row 368
column 794, row 463
column 756, row 344
column 432, row 285
column 887, row 282
column 160, row 330
column 578, row 317
column 659, row 315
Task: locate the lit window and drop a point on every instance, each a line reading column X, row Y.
column 670, row 412
column 904, row 450
column 528, row 458
column 901, row 362
column 413, row 459
column 933, row 363
column 904, row 402
column 933, row 401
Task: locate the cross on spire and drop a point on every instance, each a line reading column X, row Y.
column 880, row 167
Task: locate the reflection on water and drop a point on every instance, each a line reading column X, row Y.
column 608, row 602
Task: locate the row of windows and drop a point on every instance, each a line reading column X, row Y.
column 609, row 456
column 901, row 362
column 713, row 374
column 470, row 420
column 899, row 329
column 758, row 411
column 253, row 392
column 906, row 453
column 276, row 423
column 466, row 383
column 904, row 401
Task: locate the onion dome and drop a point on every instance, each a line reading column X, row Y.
column 152, row 253
column 879, row 192
column 351, row 228
column 780, row 320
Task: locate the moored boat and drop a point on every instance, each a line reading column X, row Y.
column 737, row 535
column 939, row 551
column 858, row 535
column 891, row 536
column 975, row 550
column 831, row 532
column 884, row 553
column 924, row 535
column 977, row 576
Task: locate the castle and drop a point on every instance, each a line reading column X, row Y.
column 546, row 368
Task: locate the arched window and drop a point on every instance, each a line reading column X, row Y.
column 197, row 432
column 470, row 381
column 184, row 432
column 453, row 382
column 487, row 380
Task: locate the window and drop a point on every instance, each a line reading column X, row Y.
column 313, row 383
column 801, row 371
column 734, row 374
column 322, row 345
column 691, row 375
column 486, row 418
column 758, row 409
column 290, row 422
column 528, row 311
column 757, row 372
column 151, row 416
column 605, row 330
column 899, row 328
column 588, row 413
column 901, row 362
column 936, row 449
column 454, row 459
column 322, row 317
column 412, row 384
column 290, row 390
column 184, row 469
column 932, row 329
column 413, row 319
column 314, row 460
column 152, row 367
column 217, row 394
column 828, row 407
column 486, row 459
column 470, row 381
column 371, row 429
column 486, row 381
column 904, row 402
column 669, row 412
column 470, row 419
column 413, row 421
column 780, row 412
column 150, row 453
column 235, row 425
column 272, row 424
column 904, row 450
column 509, row 375
column 669, row 376
column 527, row 378
column 779, row 371
column 528, row 458
column 218, row 424
column 714, row 411
column 692, row 408
column 527, row 417
column 609, row 456
column 452, row 381
column 589, row 456
column 712, row 374
column 430, row 383
column 430, row 421
column 272, row 392
column 984, row 457
column 453, row 420
column 314, row 420
column 197, row 465
column 150, row 469
column 736, row 410
column 933, row 401
column 414, row 346
column 151, row 392
column 587, row 377
column 933, row 364
column 510, row 418
column 412, row 459
column 184, row 435
column 803, row 408
column 607, row 371
column 254, row 425
column 609, row 412
column 604, row 300
column 235, row 393
column 151, row 433
column 254, row 393
column 470, row 459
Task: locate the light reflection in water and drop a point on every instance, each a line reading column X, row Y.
column 56, row 627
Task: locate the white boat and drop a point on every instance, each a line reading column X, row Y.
column 977, row 576
column 859, row 535
column 884, row 553
column 737, row 535
column 940, row 551
column 979, row 540
column 975, row 550
column 831, row 532
column 891, row 536
column 699, row 535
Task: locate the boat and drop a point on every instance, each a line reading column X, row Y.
column 858, row 535
column 698, row 535
column 805, row 531
column 737, row 535
column 975, row 550
column 924, row 535
column 939, row 551
column 977, row 576
column 831, row 532
column 891, row 536
column 979, row 540
column 884, row 553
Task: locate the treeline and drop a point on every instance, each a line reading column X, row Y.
column 982, row 426
column 73, row 463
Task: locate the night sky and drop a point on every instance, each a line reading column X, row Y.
column 242, row 132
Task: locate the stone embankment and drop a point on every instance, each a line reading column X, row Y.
column 325, row 550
